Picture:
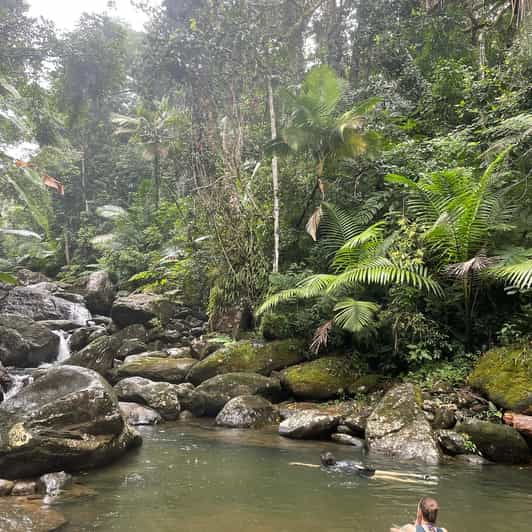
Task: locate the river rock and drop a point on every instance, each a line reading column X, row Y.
column 59, row 325
column 131, row 346
column 206, row 345
column 6, row 487
column 499, row 443
column 136, row 414
column 80, row 337
column 161, row 396
column 156, row 366
column 247, row 411
column 24, row 342
column 68, row 418
column 192, row 399
column 220, row 389
column 23, row 488
column 247, row 356
column 26, row 277
column 321, row 379
column 472, row 459
column 452, row 442
column 98, row 355
column 141, row 308
column 99, row 292
column 179, row 352
column 54, row 483
column 398, row 427
column 504, row 375
column 309, row 424
column 347, row 439
column 357, row 419
column 23, row 515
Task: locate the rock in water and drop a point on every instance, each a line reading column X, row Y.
column 99, row 292
column 499, row 443
column 54, row 483
column 398, row 427
column 156, row 366
column 309, row 424
column 98, row 355
column 141, row 308
column 347, row 439
column 452, row 442
column 25, row 343
column 68, row 418
column 504, row 375
column 247, row 356
column 247, row 411
column 136, row 414
column 21, row 515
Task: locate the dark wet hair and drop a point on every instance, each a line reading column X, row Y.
column 327, row 459
column 429, row 509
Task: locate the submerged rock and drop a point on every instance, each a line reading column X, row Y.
column 347, row 439
column 398, row 427
column 141, row 308
column 504, row 375
column 220, row 389
column 247, row 411
column 68, row 418
column 22, row 515
column 309, row 424
column 321, row 379
column 247, row 356
column 25, row 343
column 499, row 443
column 156, row 366
column 136, row 414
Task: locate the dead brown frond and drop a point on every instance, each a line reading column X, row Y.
column 471, row 267
column 321, row 337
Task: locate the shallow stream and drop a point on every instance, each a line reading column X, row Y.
column 191, row 478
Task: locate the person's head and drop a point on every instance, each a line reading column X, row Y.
column 327, row 459
column 428, row 509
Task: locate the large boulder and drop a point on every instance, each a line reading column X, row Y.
column 161, row 396
column 321, row 379
column 504, row 375
column 499, row 443
column 68, row 418
column 156, row 366
column 220, row 389
column 453, row 442
column 39, row 302
column 99, row 292
column 398, row 427
column 191, row 399
column 141, row 308
column 25, row 343
column 98, row 355
column 136, row 414
column 309, row 424
column 247, row 411
column 247, row 356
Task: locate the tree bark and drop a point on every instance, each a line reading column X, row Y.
column 156, row 179
column 275, row 183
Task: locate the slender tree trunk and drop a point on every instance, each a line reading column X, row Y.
column 156, row 179
column 275, row 182
column 467, row 311
column 67, row 246
column 84, row 180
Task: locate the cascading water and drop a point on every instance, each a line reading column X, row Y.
column 19, row 379
column 63, row 351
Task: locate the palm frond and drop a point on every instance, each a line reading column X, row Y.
column 355, row 315
column 516, row 275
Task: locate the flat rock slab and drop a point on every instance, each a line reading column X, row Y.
column 309, row 424
column 136, row 414
column 156, row 367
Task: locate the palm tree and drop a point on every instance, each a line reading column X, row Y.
column 361, row 259
column 460, row 216
column 154, row 129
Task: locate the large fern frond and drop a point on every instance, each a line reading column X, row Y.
column 355, row 315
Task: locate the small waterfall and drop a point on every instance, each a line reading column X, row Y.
column 63, row 352
column 18, row 380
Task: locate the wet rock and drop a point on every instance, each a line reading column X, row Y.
column 309, row 424
column 398, row 427
column 444, row 418
column 68, row 418
column 472, row 459
column 24, row 342
column 179, row 352
column 504, row 375
column 357, row 420
column 5, row 380
column 453, row 442
column 247, row 356
column 59, row 325
column 25, row 488
column 247, row 411
column 346, row 439
column 99, row 292
column 131, row 346
column 156, row 366
column 82, row 336
column 141, row 308
column 136, row 331
column 54, row 483
column 205, row 345
column 186, row 415
column 220, row 389
column 6, row 487
column 161, row 396
column 499, row 443
column 191, row 399
column 321, row 379
column 98, row 355
column 136, row 414
column 22, row 515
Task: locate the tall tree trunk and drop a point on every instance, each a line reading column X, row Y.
column 275, row 182
column 84, row 180
column 67, row 246
column 156, row 178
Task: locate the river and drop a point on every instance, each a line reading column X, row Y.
column 198, row 478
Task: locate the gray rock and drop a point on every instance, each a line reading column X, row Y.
column 54, row 483
column 25, row 488
column 156, row 366
column 6, row 487
column 179, row 352
column 308, row 424
column 68, row 418
column 346, row 439
column 191, row 399
column 473, row 459
column 452, row 442
column 398, row 427
column 247, row 411
column 141, row 308
column 24, row 342
column 59, row 325
column 99, row 292
column 27, row 514
column 136, row 414
column 357, row 420
column 131, row 346
column 98, row 355
column 161, row 396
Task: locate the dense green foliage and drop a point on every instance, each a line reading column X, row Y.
column 403, row 132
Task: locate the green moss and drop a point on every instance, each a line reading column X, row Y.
column 505, row 376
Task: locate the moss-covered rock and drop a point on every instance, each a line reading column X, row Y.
column 247, row 411
column 504, row 375
column 248, row 356
column 320, row 379
column 156, row 366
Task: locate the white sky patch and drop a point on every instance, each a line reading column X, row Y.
column 65, row 13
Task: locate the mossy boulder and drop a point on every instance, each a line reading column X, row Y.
column 504, row 375
column 321, row 379
column 499, row 443
column 142, row 308
column 156, row 366
column 249, row 356
column 247, row 411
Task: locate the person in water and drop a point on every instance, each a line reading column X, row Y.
column 427, row 513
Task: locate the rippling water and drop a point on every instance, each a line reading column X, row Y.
column 196, row 479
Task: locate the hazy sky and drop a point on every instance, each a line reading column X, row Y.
column 65, row 13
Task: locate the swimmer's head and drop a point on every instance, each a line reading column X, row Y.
column 327, row 459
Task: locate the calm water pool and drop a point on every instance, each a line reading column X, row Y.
column 192, row 478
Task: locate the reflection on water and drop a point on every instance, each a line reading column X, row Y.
column 196, row 479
